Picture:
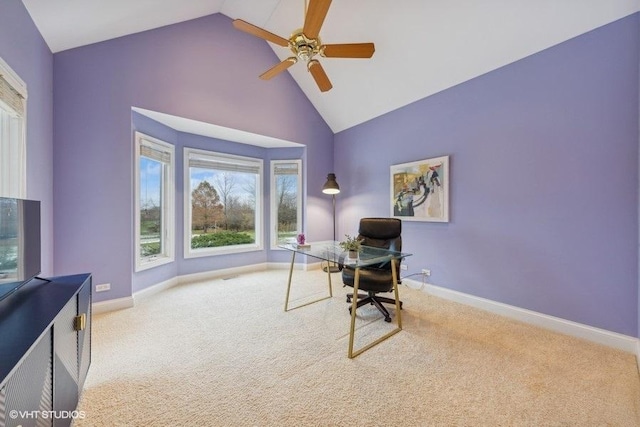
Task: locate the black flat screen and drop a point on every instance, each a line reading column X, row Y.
column 19, row 243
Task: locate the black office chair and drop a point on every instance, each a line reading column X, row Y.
column 380, row 233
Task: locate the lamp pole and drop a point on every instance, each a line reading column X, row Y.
column 333, row 196
column 332, row 187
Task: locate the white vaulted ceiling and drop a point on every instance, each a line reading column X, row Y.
column 422, row 46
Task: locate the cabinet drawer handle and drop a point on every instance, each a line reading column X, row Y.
column 80, row 322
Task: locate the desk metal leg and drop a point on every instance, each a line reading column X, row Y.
column 395, row 292
column 354, row 305
column 286, row 303
column 356, row 283
column 329, row 278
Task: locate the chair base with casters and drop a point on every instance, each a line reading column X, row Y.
column 373, row 299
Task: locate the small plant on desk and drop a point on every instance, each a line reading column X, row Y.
column 351, row 244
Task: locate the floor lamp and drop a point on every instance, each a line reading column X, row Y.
column 332, row 187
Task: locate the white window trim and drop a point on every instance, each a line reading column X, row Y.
column 274, row 204
column 20, row 86
column 224, row 250
column 168, row 208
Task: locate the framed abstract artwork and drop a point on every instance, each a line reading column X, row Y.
column 420, row 190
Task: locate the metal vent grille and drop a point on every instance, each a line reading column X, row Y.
column 3, row 406
column 66, row 339
column 31, row 386
column 65, row 343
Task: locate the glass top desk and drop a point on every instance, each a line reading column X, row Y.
column 331, row 251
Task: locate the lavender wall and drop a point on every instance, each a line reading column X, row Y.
column 544, row 180
column 202, row 69
column 22, row 47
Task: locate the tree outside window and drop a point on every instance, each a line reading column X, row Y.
column 223, row 206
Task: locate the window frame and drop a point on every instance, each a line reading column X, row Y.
column 167, row 210
column 20, row 87
column 274, row 201
column 214, row 156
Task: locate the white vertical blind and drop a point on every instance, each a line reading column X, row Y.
column 12, row 134
column 12, row 154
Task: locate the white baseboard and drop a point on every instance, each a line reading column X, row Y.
column 128, row 302
column 313, row 266
column 155, row 289
column 296, row 266
column 218, row 274
column 590, row 333
column 112, row 305
column 196, row 277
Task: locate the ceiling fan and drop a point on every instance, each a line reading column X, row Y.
column 305, row 44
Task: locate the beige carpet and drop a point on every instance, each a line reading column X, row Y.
column 224, row 353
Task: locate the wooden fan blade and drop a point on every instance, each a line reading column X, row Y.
column 348, row 50
column 259, row 32
column 316, row 13
column 272, row 72
column 319, row 75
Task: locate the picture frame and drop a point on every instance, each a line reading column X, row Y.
column 420, row 190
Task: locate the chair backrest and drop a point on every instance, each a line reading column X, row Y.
column 381, row 233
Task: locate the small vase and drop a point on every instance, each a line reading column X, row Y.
column 353, row 254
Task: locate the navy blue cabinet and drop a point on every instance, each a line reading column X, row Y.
column 45, row 351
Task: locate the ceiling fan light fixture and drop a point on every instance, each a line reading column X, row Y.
column 305, row 44
column 303, row 47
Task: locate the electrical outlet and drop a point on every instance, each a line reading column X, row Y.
column 404, row 267
column 103, row 287
column 426, row 272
